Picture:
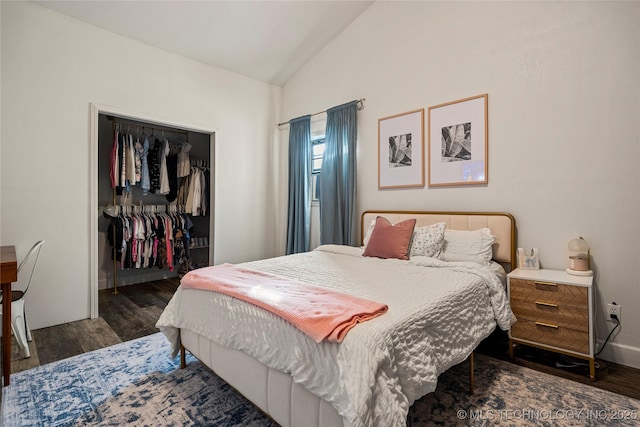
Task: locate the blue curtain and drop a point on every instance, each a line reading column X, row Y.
column 338, row 177
column 299, row 215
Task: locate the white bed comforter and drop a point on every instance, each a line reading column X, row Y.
column 438, row 313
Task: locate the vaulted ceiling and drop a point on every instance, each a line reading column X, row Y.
column 265, row 40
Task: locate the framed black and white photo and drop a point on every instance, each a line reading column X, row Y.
column 458, row 142
column 401, row 150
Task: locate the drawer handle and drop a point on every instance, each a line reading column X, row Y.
column 548, row 325
column 545, row 283
column 546, row 304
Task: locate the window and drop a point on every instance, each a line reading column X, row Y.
column 317, row 153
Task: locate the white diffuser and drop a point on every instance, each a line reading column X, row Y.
column 579, row 263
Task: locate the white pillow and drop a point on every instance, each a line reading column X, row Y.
column 474, row 246
column 428, row 240
column 367, row 234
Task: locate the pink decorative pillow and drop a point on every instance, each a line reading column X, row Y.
column 390, row 241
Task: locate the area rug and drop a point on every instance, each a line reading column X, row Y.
column 136, row 383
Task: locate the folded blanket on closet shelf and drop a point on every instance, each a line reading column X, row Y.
column 321, row 313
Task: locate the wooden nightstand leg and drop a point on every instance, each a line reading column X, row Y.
column 592, row 369
column 510, row 349
column 183, row 357
column 471, row 376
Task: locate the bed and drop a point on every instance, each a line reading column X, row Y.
column 438, row 312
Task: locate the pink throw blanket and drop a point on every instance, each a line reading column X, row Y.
column 321, row 313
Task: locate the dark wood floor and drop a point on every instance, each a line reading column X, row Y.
column 609, row 376
column 130, row 314
column 133, row 312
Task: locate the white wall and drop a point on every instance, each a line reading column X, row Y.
column 53, row 67
column 564, row 108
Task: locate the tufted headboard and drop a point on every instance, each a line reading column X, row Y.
column 502, row 225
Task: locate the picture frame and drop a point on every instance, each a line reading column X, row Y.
column 458, row 142
column 528, row 261
column 401, row 150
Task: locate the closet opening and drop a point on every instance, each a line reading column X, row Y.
column 154, row 201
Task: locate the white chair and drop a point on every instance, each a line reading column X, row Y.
column 19, row 324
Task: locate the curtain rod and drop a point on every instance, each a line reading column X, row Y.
column 360, row 107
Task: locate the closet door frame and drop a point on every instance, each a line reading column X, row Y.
column 94, row 111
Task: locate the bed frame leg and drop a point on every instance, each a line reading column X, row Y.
column 471, row 362
column 183, row 357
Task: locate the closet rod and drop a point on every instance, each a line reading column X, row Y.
column 153, row 128
column 360, row 106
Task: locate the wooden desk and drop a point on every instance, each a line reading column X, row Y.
column 8, row 275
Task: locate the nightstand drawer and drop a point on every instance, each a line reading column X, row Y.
column 551, row 334
column 542, row 311
column 549, row 292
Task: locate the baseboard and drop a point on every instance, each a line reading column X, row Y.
column 124, row 280
column 620, row 354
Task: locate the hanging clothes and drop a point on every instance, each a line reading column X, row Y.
column 172, row 177
column 183, row 190
column 114, row 169
column 131, row 163
column 123, row 159
column 145, row 240
column 184, row 165
column 164, row 177
column 204, row 197
column 198, row 193
column 142, row 160
column 145, row 182
column 137, row 146
column 193, row 192
column 154, row 164
column 145, row 237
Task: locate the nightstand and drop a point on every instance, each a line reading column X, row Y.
column 554, row 311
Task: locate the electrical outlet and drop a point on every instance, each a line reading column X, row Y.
column 613, row 309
